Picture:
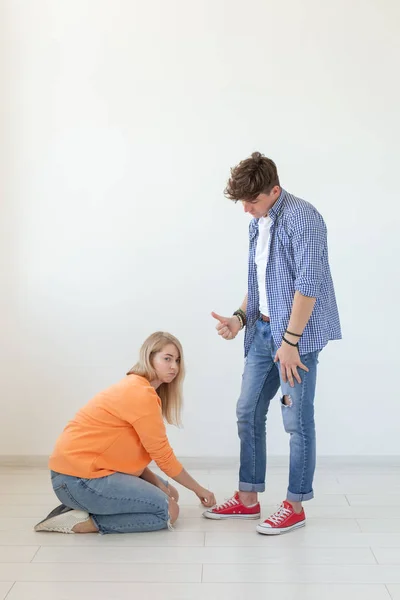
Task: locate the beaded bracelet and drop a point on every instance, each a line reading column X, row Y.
column 290, row 343
column 239, row 319
column 294, row 334
column 241, row 315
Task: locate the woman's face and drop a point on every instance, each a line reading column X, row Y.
column 167, row 363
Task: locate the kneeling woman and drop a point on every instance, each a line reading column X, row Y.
column 99, row 467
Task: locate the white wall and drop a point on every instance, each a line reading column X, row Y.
column 121, row 121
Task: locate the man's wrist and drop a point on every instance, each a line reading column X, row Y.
column 241, row 317
column 241, row 324
column 289, row 342
column 291, row 338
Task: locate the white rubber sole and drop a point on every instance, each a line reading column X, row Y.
column 277, row 531
column 210, row 515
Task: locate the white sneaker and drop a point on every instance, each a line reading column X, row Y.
column 64, row 522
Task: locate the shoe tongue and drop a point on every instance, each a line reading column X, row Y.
column 287, row 504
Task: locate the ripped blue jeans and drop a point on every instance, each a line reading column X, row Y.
column 261, row 381
column 117, row 503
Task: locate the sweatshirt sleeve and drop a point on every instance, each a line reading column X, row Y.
column 152, row 434
column 144, row 413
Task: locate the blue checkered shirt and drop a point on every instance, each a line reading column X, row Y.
column 298, row 261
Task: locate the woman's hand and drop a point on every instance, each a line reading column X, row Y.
column 206, row 497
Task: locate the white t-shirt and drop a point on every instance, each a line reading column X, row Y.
column 262, row 252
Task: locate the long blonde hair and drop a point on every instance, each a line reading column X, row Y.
column 169, row 393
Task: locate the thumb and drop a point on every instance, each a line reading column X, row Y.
column 218, row 317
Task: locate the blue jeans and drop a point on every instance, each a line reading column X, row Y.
column 117, row 503
column 261, row 381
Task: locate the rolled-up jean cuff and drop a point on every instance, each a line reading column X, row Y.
column 299, row 497
column 251, row 487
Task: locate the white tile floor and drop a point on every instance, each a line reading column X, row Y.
column 349, row 548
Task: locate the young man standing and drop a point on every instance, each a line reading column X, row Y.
column 290, row 314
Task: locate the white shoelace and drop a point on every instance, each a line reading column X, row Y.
column 228, row 504
column 280, row 515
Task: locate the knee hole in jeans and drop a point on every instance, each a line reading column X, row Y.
column 287, row 400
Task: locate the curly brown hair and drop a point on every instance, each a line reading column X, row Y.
column 251, row 177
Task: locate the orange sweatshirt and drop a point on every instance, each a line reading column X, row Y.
column 121, row 429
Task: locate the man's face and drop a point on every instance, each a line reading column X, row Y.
column 262, row 204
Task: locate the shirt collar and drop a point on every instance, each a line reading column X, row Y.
column 277, row 208
column 274, row 213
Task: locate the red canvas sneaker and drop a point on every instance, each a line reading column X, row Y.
column 284, row 519
column 233, row 509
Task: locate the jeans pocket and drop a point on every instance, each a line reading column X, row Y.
column 65, row 497
column 56, row 481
